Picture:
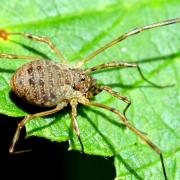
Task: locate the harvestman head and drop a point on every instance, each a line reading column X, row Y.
column 70, row 85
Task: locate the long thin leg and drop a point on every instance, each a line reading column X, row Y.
column 125, row 36
column 117, row 95
column 137, row 132
column 74, row 104
column 30, row 117
column 44, row 40
column 125, row 65
column 13, row 56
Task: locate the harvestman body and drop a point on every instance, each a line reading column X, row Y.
column 49, row 84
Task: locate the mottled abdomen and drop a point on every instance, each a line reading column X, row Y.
column 43, row 83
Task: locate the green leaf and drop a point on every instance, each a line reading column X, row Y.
column 78, row 28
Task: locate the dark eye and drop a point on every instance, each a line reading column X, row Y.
column 83, row 78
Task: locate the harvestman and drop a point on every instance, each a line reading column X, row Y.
column 70, row 85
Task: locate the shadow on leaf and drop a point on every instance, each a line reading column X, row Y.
column 109, row 142
column 32, row 50
column 128, row 167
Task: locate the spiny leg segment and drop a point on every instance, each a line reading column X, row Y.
column 127, row 124
column 28, row 118
column 125, row 36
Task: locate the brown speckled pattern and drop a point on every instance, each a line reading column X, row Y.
column 46, row 83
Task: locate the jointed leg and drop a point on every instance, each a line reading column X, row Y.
column 124, row 65
column 30, row 117
column 13, row 56
column 44, row 40
column 125, row 36
column 137, row 132
column 115, row 94
column 74, row 104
